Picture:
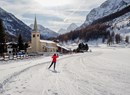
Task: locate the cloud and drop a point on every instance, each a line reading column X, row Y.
column 52, row 3
column 61, row 24
column 54, row 14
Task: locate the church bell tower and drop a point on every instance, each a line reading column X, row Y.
column 35, row 37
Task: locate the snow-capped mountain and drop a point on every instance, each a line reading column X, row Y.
column 62, row 31
column 111, row 9
column 121, row 25
column 45, row 32
column 14, row 26
column 71, row 27
column 107, row 8
column 111, row 16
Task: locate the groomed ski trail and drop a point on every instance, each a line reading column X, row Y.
column 96, row 73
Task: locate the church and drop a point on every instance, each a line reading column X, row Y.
column 37, row 45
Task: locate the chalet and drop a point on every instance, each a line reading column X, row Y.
column 62, row 49
column 12, row 48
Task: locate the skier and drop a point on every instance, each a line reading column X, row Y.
column 54, row 57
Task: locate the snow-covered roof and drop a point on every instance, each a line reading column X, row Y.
column 62, row 47
column 11, row 43
column 50, row 47
column 47, row 41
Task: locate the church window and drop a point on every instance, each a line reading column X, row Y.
column 37, row 35
column 43, row 48
column 33, row 35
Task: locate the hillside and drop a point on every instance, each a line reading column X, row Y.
column 105, row 9
column 110, row 15
column 70, row 28
column 14, row 26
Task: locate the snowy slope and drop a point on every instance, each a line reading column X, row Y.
column 105, row 71
column 62, row 31
column 108, row 7
column 70, row 28
column 45, row 32
column 121, row 25
column 14, row 26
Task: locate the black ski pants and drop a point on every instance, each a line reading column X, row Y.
column 52, row 64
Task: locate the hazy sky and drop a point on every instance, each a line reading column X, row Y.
column 53, row 14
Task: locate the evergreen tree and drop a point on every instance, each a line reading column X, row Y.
column 86, row 47
column 112, row 37
column 20, row 42
column 103, row 40
column 26, row 46
column 109, row 41
column 2, row 39
column 2, row 33
column 127, row 39
column 118, row 38
column 81, row 46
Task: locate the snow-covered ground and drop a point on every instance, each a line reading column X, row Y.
column 104, row 71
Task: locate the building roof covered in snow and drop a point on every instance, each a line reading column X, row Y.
column 47, row 41
column 63, row 47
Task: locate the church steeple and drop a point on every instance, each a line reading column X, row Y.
column 35, row 37
column 35, row 25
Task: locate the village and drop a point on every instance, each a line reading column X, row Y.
column 64, row 47
column 34, row 48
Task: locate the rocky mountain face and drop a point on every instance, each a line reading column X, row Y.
column 115, row 13
column 70, row 28
column 111, row 16
column 106, row 8
column 62, row 31
column 13, row 26
column 45, row 32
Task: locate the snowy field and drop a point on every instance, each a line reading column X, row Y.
column 104, row 71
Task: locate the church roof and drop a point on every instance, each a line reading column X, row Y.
column 35, row 25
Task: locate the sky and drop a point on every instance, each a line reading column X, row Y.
column 53, row 14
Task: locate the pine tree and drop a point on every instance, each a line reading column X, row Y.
column 20, row 42
column 81, row 46
column 2, row 32
column 109, row 41
column 86, row 47
column 118, row 38
column 113, row 37
column 127, row 39
column 26, row 46
column 2, row 39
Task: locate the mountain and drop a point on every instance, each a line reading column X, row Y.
column 45, row 32
column 62, row 31
column 111, row 16
column 71, row 27
column 121, row 25
column 107, row 8
column 14, row 26
column 115, row 13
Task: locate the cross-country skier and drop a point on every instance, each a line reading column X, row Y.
column 54, row 58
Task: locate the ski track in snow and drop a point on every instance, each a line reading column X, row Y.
column 102, row 72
